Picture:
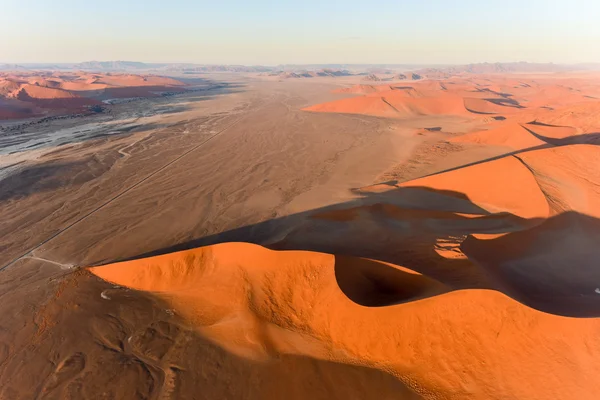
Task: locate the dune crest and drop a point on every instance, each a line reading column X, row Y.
column 259, row 303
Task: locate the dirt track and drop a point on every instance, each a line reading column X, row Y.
column 199, row 173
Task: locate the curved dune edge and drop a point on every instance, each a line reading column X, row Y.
column 512, row 187
column 511, row 135
column 260, row 303
column 520, row 136
column 552, row 266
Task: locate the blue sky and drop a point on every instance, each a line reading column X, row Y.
column 309, row 31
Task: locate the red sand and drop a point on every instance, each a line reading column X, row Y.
column 259, row 303
column 439, row 342
column 512, row 187
column 511, row 135
column 72, row 92
column 525, row 100
column 490, row 289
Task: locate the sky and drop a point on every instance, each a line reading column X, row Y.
column 301, row 31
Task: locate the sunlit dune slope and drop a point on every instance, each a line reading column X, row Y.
column 512, row 188
column 259, row 303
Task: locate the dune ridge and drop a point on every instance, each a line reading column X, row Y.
column 258, row 303
column 40, row 93
column 438, row 339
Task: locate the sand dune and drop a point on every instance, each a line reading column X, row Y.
column 568, row 176
column 393, row 104
column 257, row 303
column 521, row 136
column 29, row 91
column 551, row 267
column 511, row 135
column 521, row 100
column 303, row 263
column 490, row 106
column 514, row 188
column 73, row 92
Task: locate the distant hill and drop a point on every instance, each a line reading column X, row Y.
column 215, row 68
column 382, row 71
column 310, row 74
column 371, row 78
column 114, row 65
column 12, row 67
column 494, row 68
column 398, row 77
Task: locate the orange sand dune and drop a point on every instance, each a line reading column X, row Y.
column 585, row 116
column 29, row 91
column 440, row 341
column 490, row 106
column 77, row 86
column 519, row 136
column 529, row 184
column 511, row 135
column 552, row 267
column 441, row 105
column 568, row 176
column 394, row 103
column 7, row 87
column 479, row 281
column 468, row 344
column 546, row 131
column 512, row 187
column 42, row 81
column 51, row 98
column 553, row 95
column 422, row 98
column 70, row 91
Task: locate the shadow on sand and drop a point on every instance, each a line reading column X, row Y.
column 424, row 230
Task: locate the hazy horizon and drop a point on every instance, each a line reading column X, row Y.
column 333, row 64
column 259, row 33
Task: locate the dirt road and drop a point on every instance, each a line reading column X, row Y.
column 219, row 163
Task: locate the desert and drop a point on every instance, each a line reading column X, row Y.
column 229, row 233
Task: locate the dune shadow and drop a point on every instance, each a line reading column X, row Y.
column 419, row 229
column 51, row 176
column 374, row 284
column 487, row 90
column 505, row 102
column 586, row 138
column 553, row 267
column 592, row 138
column 422, row 230
column 131, row 348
